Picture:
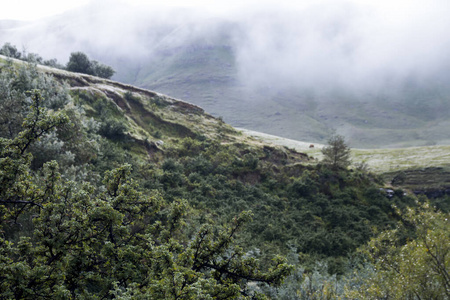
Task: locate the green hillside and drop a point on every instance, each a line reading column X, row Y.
column 113, row 191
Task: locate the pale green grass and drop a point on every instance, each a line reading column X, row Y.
column 397, row 159
column 378, row 160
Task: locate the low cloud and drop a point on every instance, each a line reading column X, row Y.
column 312, row 44
column 344, row 44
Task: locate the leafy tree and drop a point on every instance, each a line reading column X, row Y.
column 16, row 189
column 53, row 63
column 337, row 153
column 112, row 129
column 79, row 63
column 33, row 58
column 417, row 269
column 15, row 105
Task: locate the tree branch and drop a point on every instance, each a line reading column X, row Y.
column 21, row 202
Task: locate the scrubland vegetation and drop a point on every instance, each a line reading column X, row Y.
column 109, row 191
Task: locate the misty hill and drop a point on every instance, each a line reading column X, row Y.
column 408, row 114
column 284, row 73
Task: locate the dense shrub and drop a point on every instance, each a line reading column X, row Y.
column 112, row 129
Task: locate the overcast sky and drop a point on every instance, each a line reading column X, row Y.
column 33, row 9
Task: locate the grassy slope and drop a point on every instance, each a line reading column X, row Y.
column 151, row 117
column 425, row 167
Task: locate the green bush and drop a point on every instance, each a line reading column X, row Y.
column 112, row 129
column 79, row 62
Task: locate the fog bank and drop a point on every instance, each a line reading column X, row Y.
column 311, row 44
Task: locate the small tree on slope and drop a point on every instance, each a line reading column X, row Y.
column 337, row 153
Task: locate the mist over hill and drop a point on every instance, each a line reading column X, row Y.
column 374, row 73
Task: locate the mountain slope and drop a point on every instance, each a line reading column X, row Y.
column 176, row 150
column 152, row 120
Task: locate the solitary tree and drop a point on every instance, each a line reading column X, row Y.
column 337, row 153
column 80, row 63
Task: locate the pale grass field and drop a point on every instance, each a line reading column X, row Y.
column 378, row 160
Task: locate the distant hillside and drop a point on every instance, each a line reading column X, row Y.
column 207, row 74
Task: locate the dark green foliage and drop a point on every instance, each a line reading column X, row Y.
column 112, row 129
column 53, row 63
column 102, row 70
column 322, row 212
column 110, row 240
column 442, row 203
column 79, row 62
column 15, row 159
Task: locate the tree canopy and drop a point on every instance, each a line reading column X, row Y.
column 80, row 63
column 10, row 51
